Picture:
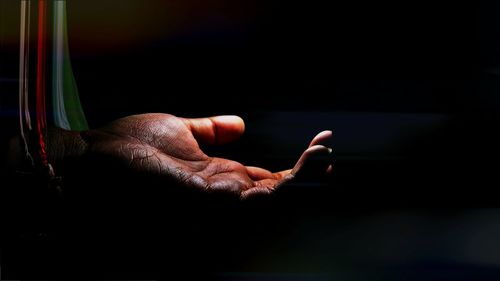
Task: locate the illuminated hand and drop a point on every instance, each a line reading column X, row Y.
column 165, row 145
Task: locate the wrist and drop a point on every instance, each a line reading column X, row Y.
column 36, row 193
column 62, row 145
column 63, row 148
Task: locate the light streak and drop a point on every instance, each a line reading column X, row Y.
column 68, row 112
column 60, row 115
column 40, row 82
column 24, row 113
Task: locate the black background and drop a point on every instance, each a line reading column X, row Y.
column 410, row 90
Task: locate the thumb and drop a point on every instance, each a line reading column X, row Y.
column 217, row 129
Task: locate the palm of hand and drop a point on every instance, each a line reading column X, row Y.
column 168, row 146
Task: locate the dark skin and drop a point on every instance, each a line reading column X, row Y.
column 125, row 185
column 169, row 146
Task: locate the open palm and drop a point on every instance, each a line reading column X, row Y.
column 168, row 146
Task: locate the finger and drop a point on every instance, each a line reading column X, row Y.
column 267, row 185
column 217, row 129
column 257, row 174
column 313, row 163
column 322, row 138
column 227, row 183
column 254, row 192
column 329, row 170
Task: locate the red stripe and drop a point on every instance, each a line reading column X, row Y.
column 40, row 81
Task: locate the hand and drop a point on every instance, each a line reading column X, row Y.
column 168, row 146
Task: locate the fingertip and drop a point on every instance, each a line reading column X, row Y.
column 314, row 160
column 317, row 149
column 217, row 129
column 230, row 120
column 323, row 138
column 329, row 170
column 325, row 134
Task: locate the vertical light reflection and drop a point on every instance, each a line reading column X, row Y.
column 68, row 112
column 40, row 81
column 60, row 116
column 24, row 113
